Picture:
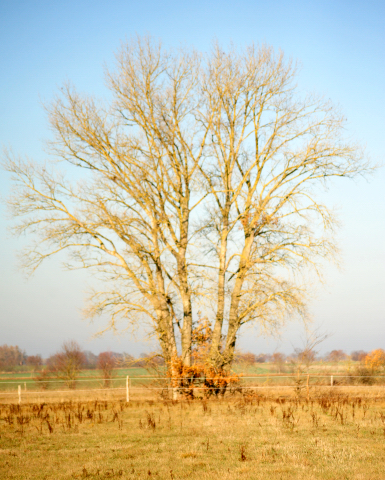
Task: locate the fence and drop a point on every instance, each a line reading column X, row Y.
column 126, row 387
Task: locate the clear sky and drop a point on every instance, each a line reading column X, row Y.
column 340, row 45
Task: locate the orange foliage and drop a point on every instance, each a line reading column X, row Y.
column 200, row 375
column 375, row 359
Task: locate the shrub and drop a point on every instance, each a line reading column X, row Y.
column 375, row 360
column 212, row 381
column 364, row 375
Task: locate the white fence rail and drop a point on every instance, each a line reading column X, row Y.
column 302, row 381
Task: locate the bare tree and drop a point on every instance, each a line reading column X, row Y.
column 10, row 357
column 199, row 191
column 66, row 363
column 272, row 149
column 245, row 358
column 35, row 360
column 106, row 363
column 306, row 355
column 358, row 355
column 336, row 356
column 278, row 359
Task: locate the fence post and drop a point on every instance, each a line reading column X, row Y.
column 331, row 380
column 19, row 393
column 25, row 386
column 175, row 393
column 127, row 389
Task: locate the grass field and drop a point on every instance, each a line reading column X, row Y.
column 10, row 381
column 134, row 371
column 256, row 369
column 334, row 434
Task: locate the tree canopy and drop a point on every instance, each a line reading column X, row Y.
column 198, row 199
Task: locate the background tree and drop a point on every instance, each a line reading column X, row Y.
column 336, row 356
column 35, row 360
column 306, row 355
column 67, row 363
column 10, row 357
column 91, row 359
column 261, row 358
column 278, row 359
column 375, row 360
column 198, row 192
column 358, row 355
column 106, row 363
column 246, row 358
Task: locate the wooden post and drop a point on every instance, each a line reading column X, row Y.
column 175, row 393
column 127, row 389
column 331, row 380
column 19, row 393
column 25, row 386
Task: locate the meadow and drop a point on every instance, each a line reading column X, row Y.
column 335, row 433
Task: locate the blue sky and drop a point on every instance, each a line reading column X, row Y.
column 340, row 45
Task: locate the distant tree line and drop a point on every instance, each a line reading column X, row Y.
column 70, row 359
column 308, row 356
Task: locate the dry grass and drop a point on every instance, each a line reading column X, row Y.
column 331, row 435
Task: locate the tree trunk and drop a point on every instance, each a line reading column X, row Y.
column 215, row 357
column 234, row 323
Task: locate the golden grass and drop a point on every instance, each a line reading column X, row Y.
column 333, row 435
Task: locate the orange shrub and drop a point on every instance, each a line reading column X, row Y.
column 375, row 359
column 200, row 376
